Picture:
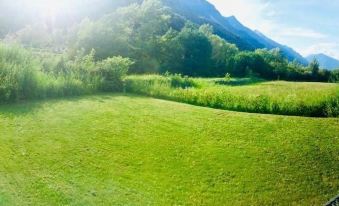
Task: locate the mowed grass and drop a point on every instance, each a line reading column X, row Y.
column 246, row 95
column 130, row 150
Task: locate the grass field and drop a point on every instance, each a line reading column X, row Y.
column 247, row 95
column 130, row 150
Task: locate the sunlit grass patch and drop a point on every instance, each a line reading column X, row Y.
column 128, row 150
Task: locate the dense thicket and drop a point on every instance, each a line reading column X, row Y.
column 27, row 76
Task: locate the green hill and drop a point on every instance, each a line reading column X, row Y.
column 130, row 150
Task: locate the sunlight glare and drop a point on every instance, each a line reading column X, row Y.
column 51, row 8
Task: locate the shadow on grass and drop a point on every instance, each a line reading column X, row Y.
column 239, row 82
column 27, row 107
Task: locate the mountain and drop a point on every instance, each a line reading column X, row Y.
column 229, row 28
column 289, row 53
column 197, row 11
column 326, row 62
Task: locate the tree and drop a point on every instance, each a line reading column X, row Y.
column 132, row 31
column 170, row 52
column 197, row 51
column 247, row 63
column 277, row 65
column 223, row 53
column 334, row 76
column 314, row 67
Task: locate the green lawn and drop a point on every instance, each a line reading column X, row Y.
column 130, row 150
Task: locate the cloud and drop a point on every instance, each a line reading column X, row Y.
column 301, row 32
column 285, row 21
column 259, row 15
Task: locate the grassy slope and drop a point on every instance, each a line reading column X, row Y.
column 127, row 150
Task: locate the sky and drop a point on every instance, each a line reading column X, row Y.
column 308, row 26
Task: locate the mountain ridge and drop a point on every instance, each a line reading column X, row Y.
column 230, row 28
column 325, row 61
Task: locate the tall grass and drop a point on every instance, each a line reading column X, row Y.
column 27, row 76
column 285, row 98
column 19, row 73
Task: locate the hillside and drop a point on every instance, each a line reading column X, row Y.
column 229, row 28
column 325, row 61
column 197, row 11
column 128, row 150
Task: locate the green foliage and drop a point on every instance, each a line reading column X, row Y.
column 334, row 76
column 132, row 32
column 314, row 67
column 227, row 77
column 197, row 51
column 275, row 65
column 19, row 72
column 158, row 86
column 302, row 99
column 170, row 52
column 179, row 81
column 223, row 53
column 247, row 63
column 104, row 39
column 51, row 87
column 23, row 76
column 112, row 71
column 331, row 106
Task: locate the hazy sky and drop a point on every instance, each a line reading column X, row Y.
column 308, row 26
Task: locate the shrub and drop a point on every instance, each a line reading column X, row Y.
column 228, row 77
column 112, row 71
column 178, row 81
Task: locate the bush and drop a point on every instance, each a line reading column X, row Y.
column 179, row 81
column 112, row 71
